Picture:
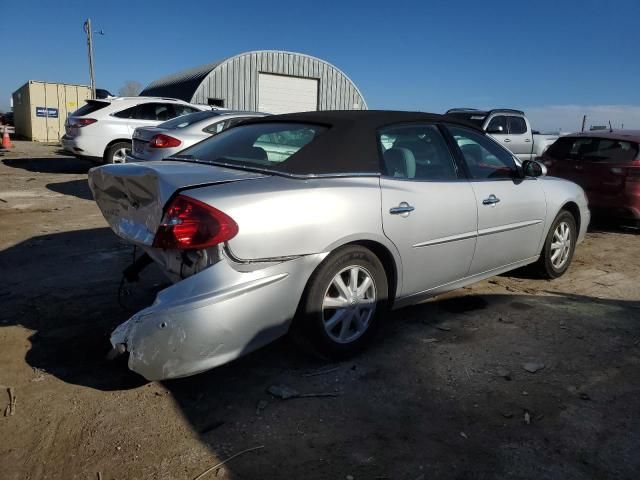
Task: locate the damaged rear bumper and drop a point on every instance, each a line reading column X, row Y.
column 214, row 316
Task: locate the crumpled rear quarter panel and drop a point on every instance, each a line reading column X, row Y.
column 213, row 317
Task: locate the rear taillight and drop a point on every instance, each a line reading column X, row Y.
column 164, row 141
column 82, row 122
column 190, row 224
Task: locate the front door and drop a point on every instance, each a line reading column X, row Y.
column 511, row 210
column 428, row 208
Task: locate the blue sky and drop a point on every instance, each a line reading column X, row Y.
column 556, row 59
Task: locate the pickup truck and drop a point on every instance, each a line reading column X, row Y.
column 509, row 127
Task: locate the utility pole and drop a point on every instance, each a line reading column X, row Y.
column 89, row 32
column 584, row 120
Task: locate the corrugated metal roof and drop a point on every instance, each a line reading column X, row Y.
column 235, row 81
column 180, row 85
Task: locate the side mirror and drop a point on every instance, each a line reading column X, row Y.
column 533, row 168
column 498, row 129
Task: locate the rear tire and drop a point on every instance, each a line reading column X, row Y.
column 559, row 246
column 117, row 153
column 343, row 304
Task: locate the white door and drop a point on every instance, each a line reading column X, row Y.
column 283, row 94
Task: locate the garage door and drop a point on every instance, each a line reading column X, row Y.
column 282, row 94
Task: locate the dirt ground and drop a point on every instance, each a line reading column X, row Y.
column 441, row 394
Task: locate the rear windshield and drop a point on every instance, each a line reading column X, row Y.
column 188, row 119
column 90, row 107
column 265, row 146
column 593, row 150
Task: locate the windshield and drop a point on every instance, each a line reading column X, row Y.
column 259, row 145
column 188, row 119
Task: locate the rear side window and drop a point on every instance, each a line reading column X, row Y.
column 517, row 125
column 90, row 107
column 148, row 111
column 267, row 145
column 180, row 110
column 561, row 148
column 485, row 159
column 593, row 150
column 416, row 152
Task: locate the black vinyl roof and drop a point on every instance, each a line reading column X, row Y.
column 349, row 146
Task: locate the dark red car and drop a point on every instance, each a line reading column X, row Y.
column 606, row 164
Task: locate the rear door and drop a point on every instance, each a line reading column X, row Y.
column 604, row 168
column 520, row 136
column 428, row 207
column 511, row 210
column 146, row 114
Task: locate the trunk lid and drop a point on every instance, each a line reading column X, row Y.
column 141, row 138
column 132, row 196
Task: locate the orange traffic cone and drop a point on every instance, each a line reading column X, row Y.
column 6, row 140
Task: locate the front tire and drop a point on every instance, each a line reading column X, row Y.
column 117, row 153
column 343, row 303
column 559, row 246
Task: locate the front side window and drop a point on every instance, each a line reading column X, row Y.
column 188, row 120
column 416, row 152
column 583, row 146
column 179, row 110
column 485, row 159
column 154, row 111
column 517, row 125
column 612, row 151
column 268, row 145
column 498, row 125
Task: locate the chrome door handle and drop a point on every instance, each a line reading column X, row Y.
column 403, row 209
column 492, row 200
column 506, row 140
column 528, row 140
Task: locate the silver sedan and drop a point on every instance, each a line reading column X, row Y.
column 317, row 224
column 168, row 138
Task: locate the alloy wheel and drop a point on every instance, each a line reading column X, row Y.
column 561, row 245
column 349, row 304
column 120, row 155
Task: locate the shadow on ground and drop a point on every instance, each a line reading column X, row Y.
column 442, row 393
column 67, row 165
column 75, row 188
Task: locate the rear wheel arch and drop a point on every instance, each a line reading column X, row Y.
column 388, row 262
column 383, row 252
column 112, row 143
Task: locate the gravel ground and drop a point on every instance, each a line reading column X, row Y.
column 443, row 393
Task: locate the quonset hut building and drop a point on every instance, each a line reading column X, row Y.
column 266, row 81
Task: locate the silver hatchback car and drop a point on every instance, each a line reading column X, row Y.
column 318, row 223
column 168, row 138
